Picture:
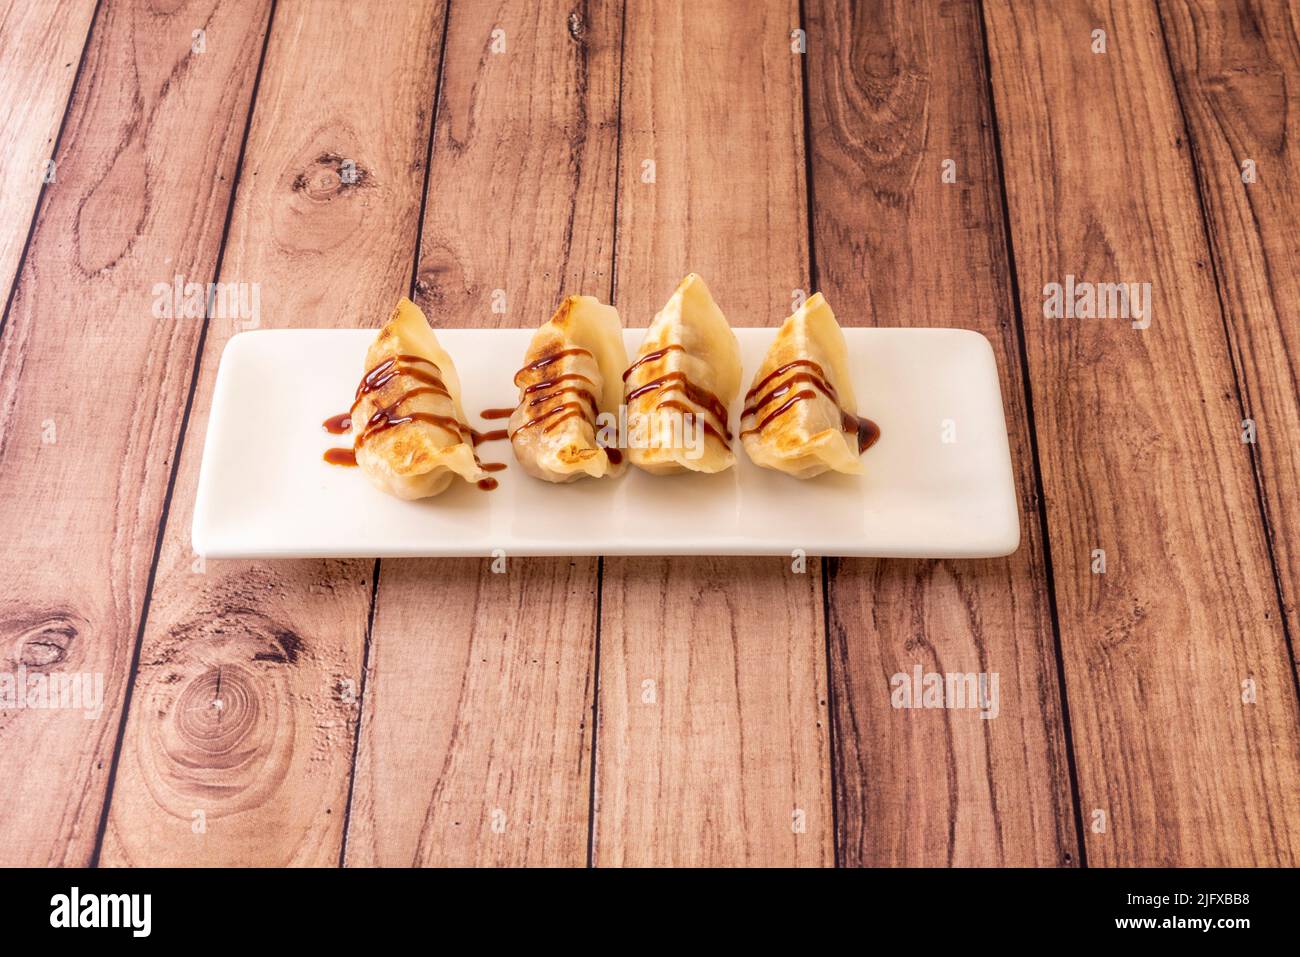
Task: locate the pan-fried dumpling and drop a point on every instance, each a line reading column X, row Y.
column 681, row 385
column 411, row 434
column 800, row 416
column 572, row 373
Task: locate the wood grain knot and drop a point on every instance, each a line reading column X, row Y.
column 442, row 278
column 242, row 633
column 330, row 175
column 42, row 641
column 214, row 714
column 290, row 647
column 218, row 698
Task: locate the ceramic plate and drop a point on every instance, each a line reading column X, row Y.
column 938, row 483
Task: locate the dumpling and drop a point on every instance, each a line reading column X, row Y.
column 572, row 373
column 800, row 417
column 681, row 385
column 411, row 434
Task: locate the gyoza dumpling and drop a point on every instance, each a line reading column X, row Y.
column 572, row 372
column 411, row 434
column 681, row 385
column 800, row 417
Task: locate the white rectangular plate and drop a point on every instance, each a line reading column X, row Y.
column 938, row 483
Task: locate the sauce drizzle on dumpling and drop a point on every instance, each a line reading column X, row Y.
column 818, row 372
column 551, row 359
column 585, row 405
column 383, row 373
column 678, row 382
column 868, row 433
column 386, row 417
column 569, row 382
column 653, row 357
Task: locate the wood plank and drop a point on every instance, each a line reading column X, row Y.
column 1234, row 65
column 896, row 90
column 240, row 737
column 476, row 738
column 726, row 762
column 92, row 389
column 1140, row 452
column 40, row 48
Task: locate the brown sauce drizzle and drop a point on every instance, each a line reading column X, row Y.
column 387, row 417
column 411, row 393
column 826, row 388
column 572, row 414
column 340, row 456
column 776, row 373
column 677, row 381
column 554, row 388
column 563, row 411
column 551, row 383
column 497, row 413
column 614, row 455
column 867, row 432
column 492, row 435
column 545, row 361
column 701, row 397
column 708, row 426
column 381, row 374
column 653, row 357
column 584, row 394
column 781, row 410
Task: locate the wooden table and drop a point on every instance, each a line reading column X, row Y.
column 932, row 164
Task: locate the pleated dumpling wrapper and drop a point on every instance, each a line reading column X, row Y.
column 681, row 385
column 411, row 435
column 800, row 416
column 573, row 372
